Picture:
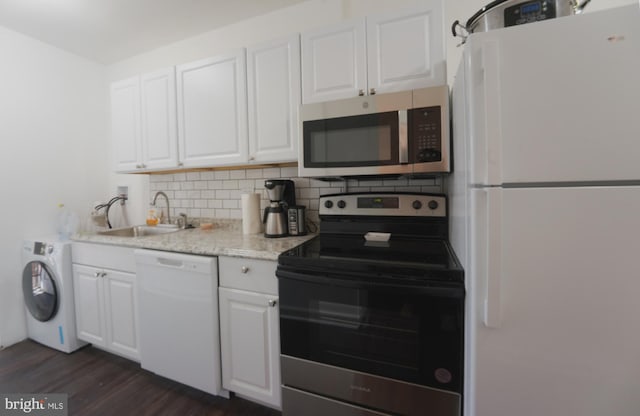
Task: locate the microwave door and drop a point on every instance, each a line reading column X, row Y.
column 366, row 144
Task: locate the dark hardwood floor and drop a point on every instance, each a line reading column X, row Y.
column 99, row 383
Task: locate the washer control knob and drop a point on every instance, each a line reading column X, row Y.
column 416, row 204
column 433, row 204
column 328, row 203
column 341, row 204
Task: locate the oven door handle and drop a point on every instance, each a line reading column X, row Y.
column 442, row 291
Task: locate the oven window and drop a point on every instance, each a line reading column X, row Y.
column 366, row 140
column 391, row 333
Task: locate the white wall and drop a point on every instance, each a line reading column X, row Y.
column 53, row 117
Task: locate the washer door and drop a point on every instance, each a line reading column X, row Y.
column 40, row 292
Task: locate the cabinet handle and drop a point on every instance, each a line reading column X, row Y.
column 252, row 158
column 138, row 166
column 372, row 91
column 361, row 93
column 180, row 164
column 97, row 274
column 143, row 166
column 273, row 302
column 244, row 269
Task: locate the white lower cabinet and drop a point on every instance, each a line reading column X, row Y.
column 105, row 300
column 249, row 330
column 105, row 309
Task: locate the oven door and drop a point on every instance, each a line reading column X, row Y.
column 356, row 340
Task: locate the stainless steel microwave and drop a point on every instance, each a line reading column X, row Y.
column 403, row 133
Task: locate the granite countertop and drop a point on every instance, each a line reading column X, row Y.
column 224, row 239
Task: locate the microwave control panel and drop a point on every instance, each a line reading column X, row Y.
column 425, row 132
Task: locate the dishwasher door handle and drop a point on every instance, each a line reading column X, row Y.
column 178, row 264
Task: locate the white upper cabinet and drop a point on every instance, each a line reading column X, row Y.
column 159, row 130
column 212, row 111
column 143, row 122
column 273, row 80
column 406, row 50
column 377, row 54
column 334, row 62
column 125, row 124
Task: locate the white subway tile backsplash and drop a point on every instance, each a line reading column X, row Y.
column 214, row 184
column 230, row 184
column 222, row 174
column 271, row 173
column 223, row 194
column 222, row 213
column 229, row 203
column 216, row 194
column 207, row 176
column 214, row 203
column 289, row 172
column 238, row 174
column 254, row 173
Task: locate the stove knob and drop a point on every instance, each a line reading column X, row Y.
column 328, row 203
column 433, row 204
column 416, row 204
column 341, row 204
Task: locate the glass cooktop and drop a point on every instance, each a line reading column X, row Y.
column 407, row 258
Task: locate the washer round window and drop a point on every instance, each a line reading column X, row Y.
column 40, row 292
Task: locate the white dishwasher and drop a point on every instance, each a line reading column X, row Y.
column 179, row 324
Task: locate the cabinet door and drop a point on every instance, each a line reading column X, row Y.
column 212, row 111
column 334, row 62
column 125, row 124
column 406, row 50
column 250, row 341
column 159, row 130
column 88, row 294
column 121, row 313
column 274, row 92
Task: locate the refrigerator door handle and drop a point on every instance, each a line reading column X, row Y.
column 487, row 97
column 492, row 302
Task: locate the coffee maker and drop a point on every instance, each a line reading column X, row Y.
column 282, row 195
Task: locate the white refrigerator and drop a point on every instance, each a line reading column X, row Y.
column 545, row 216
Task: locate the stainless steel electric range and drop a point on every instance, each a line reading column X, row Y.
column 372, row 310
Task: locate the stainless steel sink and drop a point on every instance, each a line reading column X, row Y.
column 140, row 231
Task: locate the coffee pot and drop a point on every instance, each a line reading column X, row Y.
column 282, row 195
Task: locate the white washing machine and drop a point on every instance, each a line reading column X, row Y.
column 47, row 286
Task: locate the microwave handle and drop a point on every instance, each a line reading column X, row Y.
column 403, row 138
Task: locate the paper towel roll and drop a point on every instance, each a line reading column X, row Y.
column 251, row 221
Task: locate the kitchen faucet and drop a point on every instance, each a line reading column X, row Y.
column 160, row 193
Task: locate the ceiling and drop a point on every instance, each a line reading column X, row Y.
column 109, row 31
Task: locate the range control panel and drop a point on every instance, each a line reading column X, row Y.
column 529, row 12
column 388, row 204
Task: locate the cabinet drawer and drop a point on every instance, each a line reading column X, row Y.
column 104, row 256
column 248, row 274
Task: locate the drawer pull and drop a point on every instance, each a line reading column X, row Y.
column 244, row 269
column 273, row 302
